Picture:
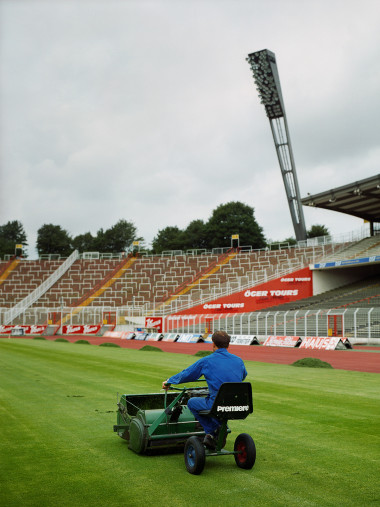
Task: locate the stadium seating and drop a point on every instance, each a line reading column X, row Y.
column 166, row 280
column 26, row 277
column 362, row 294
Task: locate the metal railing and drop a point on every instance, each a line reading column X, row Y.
column 184, row 302
column 361, row 324
column 31, row 298
column 358, row 324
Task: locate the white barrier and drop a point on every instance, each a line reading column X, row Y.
column 324, row 343
column 282, row 341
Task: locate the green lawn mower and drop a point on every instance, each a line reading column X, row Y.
column 162, row 421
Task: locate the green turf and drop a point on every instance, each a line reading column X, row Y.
column 203, row 353
column 316, row 431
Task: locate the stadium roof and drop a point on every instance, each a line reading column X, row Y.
column 360, row 199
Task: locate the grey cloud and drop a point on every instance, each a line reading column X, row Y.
column 148, row 111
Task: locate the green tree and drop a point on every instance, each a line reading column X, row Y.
column 100, row 241
column 170, row 238
column 116, row 239
column 121, row 236
column 52, row 239
column 234, row 218
column 317, row 230
column 84, row 242
column 195, row 235
column 291, row 240
column 11, row 234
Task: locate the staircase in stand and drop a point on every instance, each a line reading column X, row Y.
column 203, row 275
column 8, row 268
column 100, row 287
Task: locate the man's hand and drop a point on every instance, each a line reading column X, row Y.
column 165, row 385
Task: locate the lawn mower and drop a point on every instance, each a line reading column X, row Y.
column 162, row 421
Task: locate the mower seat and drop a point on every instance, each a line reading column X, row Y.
column 233, row 401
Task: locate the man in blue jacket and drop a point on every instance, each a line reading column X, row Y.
column 217, row 368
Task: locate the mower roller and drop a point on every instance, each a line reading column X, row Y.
column 162, row 421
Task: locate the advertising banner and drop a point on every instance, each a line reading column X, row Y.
column 154, row 337
column 170, row 337
column 115, row 334
column 35, row 329
column 140, row 336
column 282, row 341
column 189, row 338
column 321, row 343
column 347, row 262
column 244, row 339
column 297, row 285
column 87, row 329
column 184, row 338
column 154, row 323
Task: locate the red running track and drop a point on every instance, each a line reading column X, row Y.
column 354, row 360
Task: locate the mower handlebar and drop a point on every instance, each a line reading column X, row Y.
column 170, row 386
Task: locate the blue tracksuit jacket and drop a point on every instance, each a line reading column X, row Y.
column 218, row 367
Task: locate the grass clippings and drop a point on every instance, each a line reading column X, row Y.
column 203, row 353
column 311, row 362
column 150, row 348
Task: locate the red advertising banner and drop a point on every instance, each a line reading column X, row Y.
column 282, row 341
column 6, row 329
column 87, row 329
column 154, row 323
column 116, row 334
column 297, row 285
column 320, row 343
column 34, row 329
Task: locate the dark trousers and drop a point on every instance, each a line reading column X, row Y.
column 209, row 423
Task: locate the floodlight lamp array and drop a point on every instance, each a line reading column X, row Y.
column 262, row 64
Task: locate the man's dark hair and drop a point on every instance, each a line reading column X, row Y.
column 221, row 339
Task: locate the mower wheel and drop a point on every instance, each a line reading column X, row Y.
column 246, row 451
column 195, row 457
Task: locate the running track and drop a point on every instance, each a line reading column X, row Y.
column 366, row 359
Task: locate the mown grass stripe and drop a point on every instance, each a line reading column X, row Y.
column 316, row 431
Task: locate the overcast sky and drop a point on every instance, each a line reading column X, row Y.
column 147, row 110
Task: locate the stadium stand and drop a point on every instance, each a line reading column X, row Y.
column 362, row 294
column 181, row 280
column 7, row 267
column 367, row 247
column 154, row 280
column 246, row 269
column 24, row 278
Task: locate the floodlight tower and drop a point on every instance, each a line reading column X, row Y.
column 265, row 75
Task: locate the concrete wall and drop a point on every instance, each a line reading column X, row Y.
column 332, row 278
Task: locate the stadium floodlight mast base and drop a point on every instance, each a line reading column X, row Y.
column 265, row 75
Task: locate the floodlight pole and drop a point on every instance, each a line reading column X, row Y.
column 265, row 74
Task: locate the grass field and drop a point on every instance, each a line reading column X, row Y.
column 317, row 433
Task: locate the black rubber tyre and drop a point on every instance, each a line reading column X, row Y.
column 246, row 448
column 195, row 457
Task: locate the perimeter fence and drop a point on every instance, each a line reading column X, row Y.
column 358, row 323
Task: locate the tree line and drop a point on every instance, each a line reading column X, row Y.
column 226, row 220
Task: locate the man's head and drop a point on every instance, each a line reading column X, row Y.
column 221, row 339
